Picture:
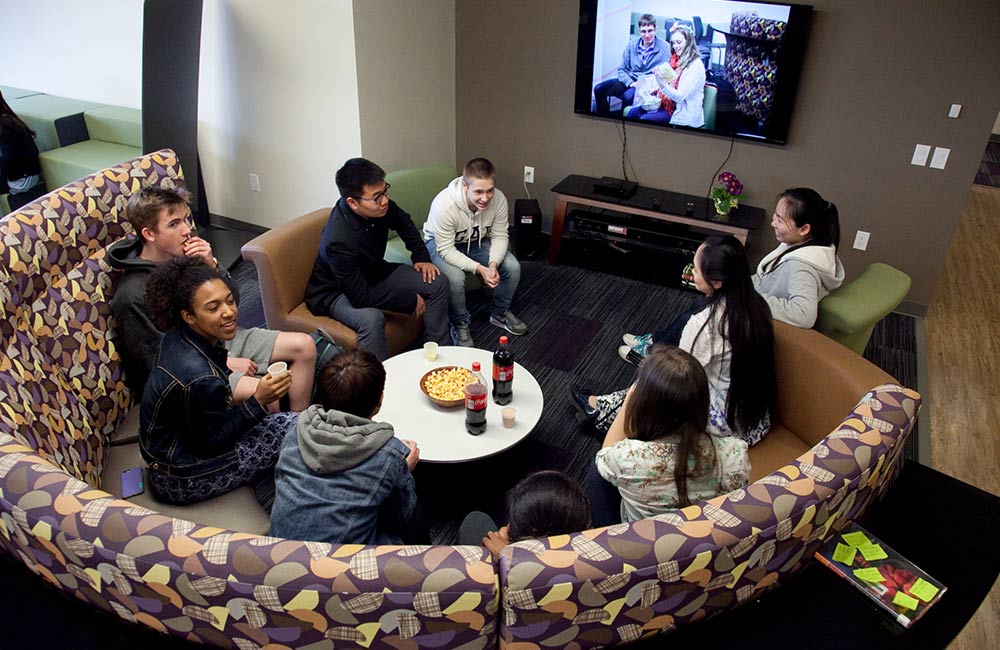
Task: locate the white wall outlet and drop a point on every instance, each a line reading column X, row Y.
column 529, row 174
column 940, row 157
column 861, row 240
column 954, row 111
column 255, row 182
column 920, row 155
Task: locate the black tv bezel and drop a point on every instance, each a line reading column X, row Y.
column 790, row 63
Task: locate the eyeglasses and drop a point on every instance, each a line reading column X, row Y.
column 384, row 194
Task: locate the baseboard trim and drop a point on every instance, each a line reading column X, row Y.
column 234, row 224
column 912, row 309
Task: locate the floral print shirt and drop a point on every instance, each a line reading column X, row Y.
column 644, row 472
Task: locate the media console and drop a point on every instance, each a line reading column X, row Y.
column 653, row 207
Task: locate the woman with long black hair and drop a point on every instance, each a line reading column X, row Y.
column 730, row 332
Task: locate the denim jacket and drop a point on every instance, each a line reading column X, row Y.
column 340, row 479
column 188, row 424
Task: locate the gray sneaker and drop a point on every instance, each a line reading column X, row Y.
column 509, row 322
column 461, row 335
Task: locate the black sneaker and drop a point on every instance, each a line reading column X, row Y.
column 509, row 322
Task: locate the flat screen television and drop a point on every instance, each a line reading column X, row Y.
column 738, row 62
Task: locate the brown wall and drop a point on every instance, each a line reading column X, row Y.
column 406, row 81
column 878, row 78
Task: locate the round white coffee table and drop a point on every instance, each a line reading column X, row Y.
column 440, row 432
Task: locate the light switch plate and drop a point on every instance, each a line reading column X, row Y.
column 940, row 157
column 954, row 110
column 920, row 154
column 861, row 240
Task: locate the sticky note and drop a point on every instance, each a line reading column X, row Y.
column 869, row 575
column 872, row 552
column 901, row 599
column 844, row 554
column 924, row 590
column 857, row 538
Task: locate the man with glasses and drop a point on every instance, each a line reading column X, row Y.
column 161, row 220
column 641, row 55
column 352, row 283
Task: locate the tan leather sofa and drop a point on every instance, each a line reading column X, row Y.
column 284, row 258
column 819, row 381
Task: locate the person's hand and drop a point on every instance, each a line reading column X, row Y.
column 421, row 305
column 239, row 364
column 489, row 274
column 634, row 84
column 496, row 540
column 271, row 388
column 427, row 270
column 413, row 456
column 197, row 247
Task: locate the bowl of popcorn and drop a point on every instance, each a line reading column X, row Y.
column 445, row 386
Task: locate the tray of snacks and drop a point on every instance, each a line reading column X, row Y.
column 445, row 386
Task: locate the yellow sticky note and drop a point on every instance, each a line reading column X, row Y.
column 844, row 554
column 901, row 599
column 924, row 590
column 869, row 575
column 872, row 552
column 857, row 538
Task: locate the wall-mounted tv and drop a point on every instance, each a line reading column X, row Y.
column 726, row 67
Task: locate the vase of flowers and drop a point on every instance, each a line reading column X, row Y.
column 726, row 193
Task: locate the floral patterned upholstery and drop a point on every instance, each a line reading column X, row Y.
column 622, row 583
column 751, row 62
column 62, row 394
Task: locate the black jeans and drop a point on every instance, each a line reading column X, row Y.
column 612, row 88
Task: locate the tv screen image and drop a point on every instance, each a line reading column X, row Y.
column 718, row 66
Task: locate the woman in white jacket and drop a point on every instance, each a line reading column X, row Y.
column 804, row 268
column 682, row 98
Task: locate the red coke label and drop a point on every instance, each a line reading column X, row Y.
column 503, row 373
column 475, row 402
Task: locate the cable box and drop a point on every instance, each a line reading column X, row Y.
column 616, row 187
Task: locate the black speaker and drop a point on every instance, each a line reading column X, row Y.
column 528, row 242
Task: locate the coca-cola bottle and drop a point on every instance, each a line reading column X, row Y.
column 475, row 402
column 503, row 374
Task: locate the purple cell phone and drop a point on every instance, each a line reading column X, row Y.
column 132, row 483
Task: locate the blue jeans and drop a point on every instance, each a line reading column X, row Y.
column 503, row 294
column 369, row 322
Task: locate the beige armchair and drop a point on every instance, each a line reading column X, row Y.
column 284, row 258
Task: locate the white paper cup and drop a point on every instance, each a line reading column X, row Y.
column 277, row 368
column 430, row 350
column 509, row 415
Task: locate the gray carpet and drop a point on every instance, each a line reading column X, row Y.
column 577, row 317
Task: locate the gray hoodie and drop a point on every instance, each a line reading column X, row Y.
column 453, row 226
column 793, row 283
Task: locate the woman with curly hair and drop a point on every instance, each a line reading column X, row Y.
column 198, row 443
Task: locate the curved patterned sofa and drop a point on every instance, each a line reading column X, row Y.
column 62, row 396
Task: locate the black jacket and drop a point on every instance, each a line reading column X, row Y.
column 18, row 152
column 188, row 425
column 350, row 261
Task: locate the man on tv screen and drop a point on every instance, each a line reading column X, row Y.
column 641, row 55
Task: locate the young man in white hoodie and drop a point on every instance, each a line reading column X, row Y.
column 466, row 232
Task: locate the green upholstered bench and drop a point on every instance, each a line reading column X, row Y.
column 64, row 165
column 56, row 121
column 11, row 92
column 115, row 124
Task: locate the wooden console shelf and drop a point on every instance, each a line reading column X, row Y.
column 695, row 211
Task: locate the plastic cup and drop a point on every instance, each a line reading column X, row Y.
column 509, row 415
column 277, row 368
column 430, row 350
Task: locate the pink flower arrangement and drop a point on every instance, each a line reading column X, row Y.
column 727, row 192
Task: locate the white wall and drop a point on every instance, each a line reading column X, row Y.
column 278, row 89
column 278, row 98
column 85, row 49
